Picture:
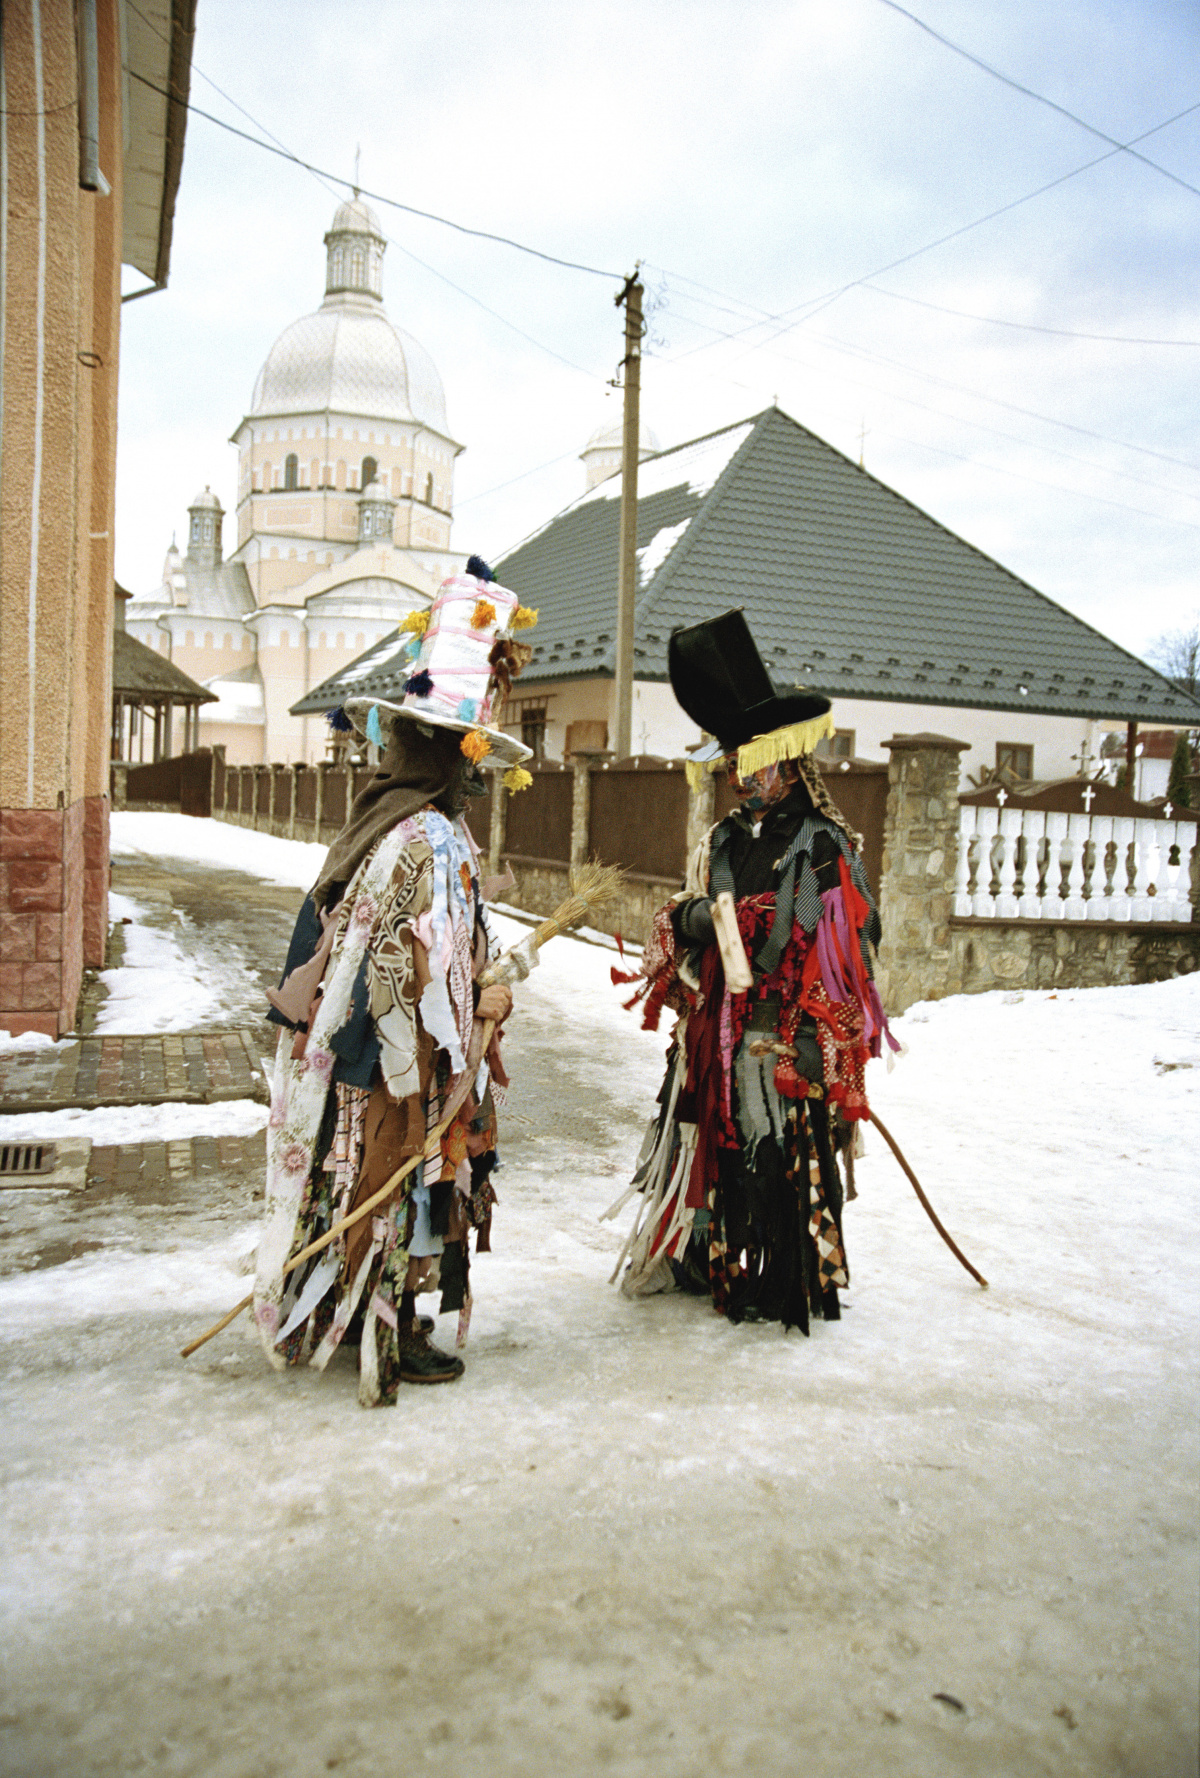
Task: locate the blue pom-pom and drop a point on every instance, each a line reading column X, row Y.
column 479, row 568
column 468, row 710
column 374, row 732
column 338, row 721
column 420, row 685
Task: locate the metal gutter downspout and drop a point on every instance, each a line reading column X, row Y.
column 90, row 176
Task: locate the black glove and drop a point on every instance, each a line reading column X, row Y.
column 693, row 922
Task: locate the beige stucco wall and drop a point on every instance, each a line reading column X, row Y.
column 57, row 450
column 58, row 367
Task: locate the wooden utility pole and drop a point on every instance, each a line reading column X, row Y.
column 631, row 297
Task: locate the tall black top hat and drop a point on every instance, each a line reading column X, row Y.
column 719, row 680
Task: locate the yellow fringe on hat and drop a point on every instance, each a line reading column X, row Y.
column 475, row 745
column 796, row 739
column 417, row 622
column 517, row 778
column 522, row 618
column 695, row 774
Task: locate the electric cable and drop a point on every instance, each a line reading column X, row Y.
column 377, row 197
column 1029, row 93
column 1062, row 333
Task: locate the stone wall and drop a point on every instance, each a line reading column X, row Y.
column 929, row 952
column 920, row 857
column 1065, row 954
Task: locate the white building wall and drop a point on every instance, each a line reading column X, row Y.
column 660, row 726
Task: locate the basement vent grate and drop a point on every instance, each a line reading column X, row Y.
column 23, row 1160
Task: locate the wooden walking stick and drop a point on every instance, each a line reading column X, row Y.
column 592, row 886
column 772, row 1046
column 928, row 1208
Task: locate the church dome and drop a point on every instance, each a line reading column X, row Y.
column 350, row 360
column 348, row 357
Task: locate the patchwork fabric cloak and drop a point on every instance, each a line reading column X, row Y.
column 356, row 1090
column 740, row 1195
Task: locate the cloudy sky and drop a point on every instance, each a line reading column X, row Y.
column 769, row 162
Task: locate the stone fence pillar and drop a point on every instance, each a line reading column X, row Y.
column 920, row 856
column 119, row 773
column 584, row 762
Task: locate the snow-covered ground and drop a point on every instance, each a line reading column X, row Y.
column 633, row 1538
column 216, row 843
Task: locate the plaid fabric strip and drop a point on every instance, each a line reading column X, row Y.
column 831, row 1257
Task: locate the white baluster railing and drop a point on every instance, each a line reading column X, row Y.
column 987, row 822
column 1012, row 864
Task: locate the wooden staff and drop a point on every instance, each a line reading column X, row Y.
column 379, row 1197
column 772, row 1046
column 928, row 1208
column 592, row 886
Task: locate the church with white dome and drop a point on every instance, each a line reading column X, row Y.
column 344, row 505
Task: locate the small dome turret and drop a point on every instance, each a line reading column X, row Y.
column 601, row 455
column 376, row 514
column 354, row 249
column 204, row 530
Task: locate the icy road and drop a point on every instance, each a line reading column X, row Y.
column 955, row 1533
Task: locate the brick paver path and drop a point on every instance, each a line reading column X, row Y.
column 175, row 1067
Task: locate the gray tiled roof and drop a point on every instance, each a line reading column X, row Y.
column 848, row 587
column 849, row 590
column 138, row 672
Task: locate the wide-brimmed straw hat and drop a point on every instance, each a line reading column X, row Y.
column 464, row 659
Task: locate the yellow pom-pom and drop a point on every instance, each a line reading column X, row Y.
column 417, row 622
column 476, row 745
column 484, row 615
column 517, row 778
column 522, row 618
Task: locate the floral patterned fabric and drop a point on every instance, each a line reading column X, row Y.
column 412, row 914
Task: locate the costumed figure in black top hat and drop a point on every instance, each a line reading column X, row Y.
column 386, row 1019
column 766, row 957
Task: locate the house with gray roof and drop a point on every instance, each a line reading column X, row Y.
column 849, row 589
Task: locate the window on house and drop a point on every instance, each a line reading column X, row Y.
column 530, row 715
column 370, row 470
column 291, row 470
column 1014, row 760
column 839, row 745
column 429, row 489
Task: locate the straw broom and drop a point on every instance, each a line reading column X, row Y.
column 593, row 886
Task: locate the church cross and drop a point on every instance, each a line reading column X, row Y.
column 357, row 158
column 1167, row 810
column 1089, row 797
column 1002, row 796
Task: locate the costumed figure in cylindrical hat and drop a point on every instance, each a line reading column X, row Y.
column 381, row 1001
column 766, row 957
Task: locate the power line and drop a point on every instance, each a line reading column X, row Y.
column 979, row 425
column 1016, row 85
column 550, row 463
column 1062, row 333
column 377, row 197
column 329, row 182
column 813, row 305
column 998, row 401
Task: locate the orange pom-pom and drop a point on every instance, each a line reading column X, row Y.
column 484, row 615
column 476, row 745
